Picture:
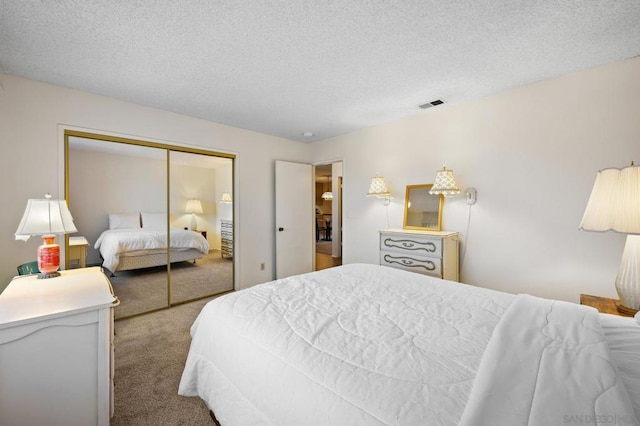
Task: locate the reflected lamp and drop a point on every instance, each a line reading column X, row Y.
column 226, row 198
column 48, row 218
column 614, row 205
column 194, row 206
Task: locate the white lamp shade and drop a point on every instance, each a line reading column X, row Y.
column 378, row 188
column 327, row 195
column 194, row 206
column 614, row 203
column 226, row 198
column 445, row 183
column 45, row 217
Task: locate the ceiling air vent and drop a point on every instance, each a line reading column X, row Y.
column 431, row 104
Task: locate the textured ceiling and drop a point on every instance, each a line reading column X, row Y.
column 322, row 66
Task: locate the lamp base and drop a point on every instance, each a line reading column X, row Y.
column 42, row 275
column 627, row 312
column 48, row 257
column 628, row 279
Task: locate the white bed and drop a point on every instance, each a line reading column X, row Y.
column 126, row 249
column 371, row 345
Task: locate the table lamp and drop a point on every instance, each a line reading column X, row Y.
column 614, row 205
column 46, row 217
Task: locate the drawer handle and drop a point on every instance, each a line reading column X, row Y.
column 407, row 261
column 428, row 246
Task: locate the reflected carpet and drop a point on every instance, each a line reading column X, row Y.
column 144, row 290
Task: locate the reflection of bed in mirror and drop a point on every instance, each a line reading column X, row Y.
column 107, row 174
column 127, row 246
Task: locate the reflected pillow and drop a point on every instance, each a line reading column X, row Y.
column 124, row 221
column 154, row 221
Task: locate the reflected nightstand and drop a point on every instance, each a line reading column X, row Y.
column 78, row 252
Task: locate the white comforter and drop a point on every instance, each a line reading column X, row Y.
column 371, row 345
column 548, row 364
column 115, row 242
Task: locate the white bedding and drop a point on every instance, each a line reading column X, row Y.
column 547, row 363
column 114, row 243
column 359, row 345
column 623, row 339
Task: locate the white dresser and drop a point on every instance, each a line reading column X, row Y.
column 226, row 238
column 56, row 350
column 432, row 253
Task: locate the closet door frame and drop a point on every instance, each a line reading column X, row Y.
column 67, row 133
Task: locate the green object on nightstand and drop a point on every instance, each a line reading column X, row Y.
column 28, row 268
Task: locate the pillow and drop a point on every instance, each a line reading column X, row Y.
column 154, row 221
column 124, row 221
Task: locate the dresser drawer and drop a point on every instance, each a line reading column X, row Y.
column 411, row 245
column 432, row 253
column 414, row 263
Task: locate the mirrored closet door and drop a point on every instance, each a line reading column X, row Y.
column 150, row 215
column 197, row 184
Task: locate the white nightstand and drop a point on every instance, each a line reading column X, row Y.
column 56, row 349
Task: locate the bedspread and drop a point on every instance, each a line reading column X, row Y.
column 371, row 345
column 114, row 242
column 354, row 345
column 548, row 364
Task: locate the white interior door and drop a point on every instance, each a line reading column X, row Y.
column 294, row 218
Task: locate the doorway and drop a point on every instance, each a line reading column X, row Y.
column 328, row 215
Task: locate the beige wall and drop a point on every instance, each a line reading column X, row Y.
column 33, row 116
column 531, row 152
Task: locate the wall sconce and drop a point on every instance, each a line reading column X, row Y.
column 327, row 195
column 226, row 198
column 194, row 206
column 379, row 189
column 47, row 218
column 445, row 184
column 614, row 205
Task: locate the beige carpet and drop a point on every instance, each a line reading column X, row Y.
column 150, row 352
column 144, row 290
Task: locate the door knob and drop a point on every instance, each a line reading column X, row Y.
column 280, row 229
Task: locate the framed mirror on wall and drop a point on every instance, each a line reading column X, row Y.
column 123, row 188
column 422, row 210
